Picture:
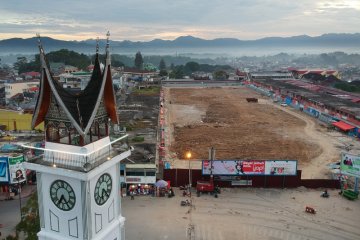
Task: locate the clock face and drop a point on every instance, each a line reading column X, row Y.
column 103, row 189
column 62, row 195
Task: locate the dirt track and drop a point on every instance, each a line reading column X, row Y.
column 200, row 118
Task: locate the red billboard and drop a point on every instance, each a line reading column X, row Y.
column 249, row 167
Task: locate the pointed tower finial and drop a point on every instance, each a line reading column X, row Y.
column 108, row 59
column 38, row 36
column 107, row 39
column 39, row 40
column 97, row 45
column 42, row 57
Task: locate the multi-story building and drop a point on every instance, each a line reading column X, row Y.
column 13, row 88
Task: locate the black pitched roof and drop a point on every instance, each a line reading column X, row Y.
column 82, row 104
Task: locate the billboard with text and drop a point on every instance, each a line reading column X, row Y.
column 350, row 164
column 249, row 167
column 16, row 169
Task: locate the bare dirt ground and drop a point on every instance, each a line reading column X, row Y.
column 200, row 118
column 246, row 214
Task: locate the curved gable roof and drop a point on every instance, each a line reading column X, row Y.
column 81, row 107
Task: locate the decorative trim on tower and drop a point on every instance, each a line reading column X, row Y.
column 98, row 222
column 54, row 222
column 111, row 212
column 73, row 227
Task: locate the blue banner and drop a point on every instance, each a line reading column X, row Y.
column 4, row 173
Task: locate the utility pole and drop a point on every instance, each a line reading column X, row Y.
column 19, row 189
column 211, row 158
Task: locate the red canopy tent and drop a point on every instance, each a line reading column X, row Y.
column 343, row 125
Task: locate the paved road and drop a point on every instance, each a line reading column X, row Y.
column 10, row 215
column 247, row 214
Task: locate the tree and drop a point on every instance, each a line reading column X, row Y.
column 191, row 67
column 20, row 62
column 162, row 64
column 138, row 63
column 172, row 66
column 163, row 73
column 69, row 58
column 220, row 75
column 30, row 224
column 178, row 72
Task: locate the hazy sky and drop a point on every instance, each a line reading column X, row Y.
column 167, row 19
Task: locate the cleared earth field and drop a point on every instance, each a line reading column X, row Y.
column 200, row 118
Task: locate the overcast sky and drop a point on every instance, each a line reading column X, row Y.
column 167, row 19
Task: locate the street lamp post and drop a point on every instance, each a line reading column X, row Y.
column 188, row 156
column 19, row 190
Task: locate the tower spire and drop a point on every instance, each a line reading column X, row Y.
column 108, row 59
column 42, row 54
column 97, row 45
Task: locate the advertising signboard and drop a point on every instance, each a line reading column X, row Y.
column 281, row 167
column 350, row 164
column 249, row 167
column 4, row 173
column 16, row 169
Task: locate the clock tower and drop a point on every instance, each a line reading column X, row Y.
column 78, row 171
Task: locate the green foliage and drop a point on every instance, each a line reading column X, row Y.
column 147, row 91
column 348, row 87
column 69, row 58
column 19, row 62
column 30, row 223
column 191, row 67
column 163, row 73
column 23, row 65
column 138, row 62
column 177, row 72
column 115, row 60
column 162, row 64
column 129, row 127
column 220, row 75
column 138, row 139
column 10, row 237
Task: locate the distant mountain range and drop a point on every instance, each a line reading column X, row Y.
column 29, row 45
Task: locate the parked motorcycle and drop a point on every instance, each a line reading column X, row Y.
column 325, row 194
column 185, row 203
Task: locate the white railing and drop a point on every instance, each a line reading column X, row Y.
column 74, row 159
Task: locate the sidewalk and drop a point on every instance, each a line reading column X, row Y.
column 26, row 191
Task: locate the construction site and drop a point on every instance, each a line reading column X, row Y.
column 242, row 124
column 221, row 117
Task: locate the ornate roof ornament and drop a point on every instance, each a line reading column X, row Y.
column 107, row 39
column 97, row 45
column 108, row 58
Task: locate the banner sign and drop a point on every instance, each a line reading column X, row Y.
column 249, row 167
column 280, row 167
column 4, row 173
column 350, row 164
column 16, row 169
